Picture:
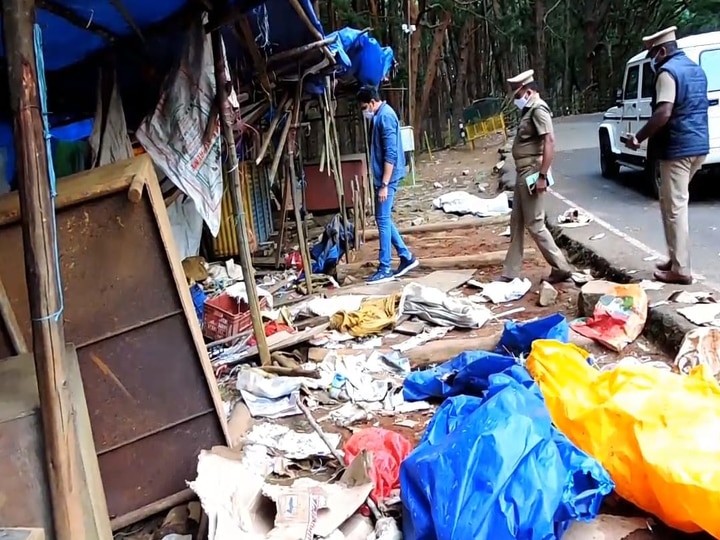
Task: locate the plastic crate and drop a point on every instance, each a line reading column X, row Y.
column 225, row 317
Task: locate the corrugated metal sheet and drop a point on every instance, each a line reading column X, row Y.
column 255, row 191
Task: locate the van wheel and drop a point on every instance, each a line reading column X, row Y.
column 608, row 164
column 652, row 174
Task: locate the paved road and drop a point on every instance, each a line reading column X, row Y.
column 624, row 204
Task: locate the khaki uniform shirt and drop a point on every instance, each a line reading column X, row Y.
column 535, row 122
column 665, row 90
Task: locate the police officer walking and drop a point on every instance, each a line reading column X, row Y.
column 678, row 137
column 533, row 151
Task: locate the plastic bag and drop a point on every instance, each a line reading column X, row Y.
column 517, row 338
column 495, row 467
column 656, row 432
column 388, row 449
column 618, row 318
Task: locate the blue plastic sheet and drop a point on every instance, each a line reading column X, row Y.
column 361, row 56
column 492, row 466
column 517, row 337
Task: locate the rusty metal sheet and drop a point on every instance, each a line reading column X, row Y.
column 141, row 381
column 112, row 270
column 157, row 466
column 24, row 495
column 321, row 195
column 150, row 406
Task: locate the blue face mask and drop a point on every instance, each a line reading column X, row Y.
column 653, row 64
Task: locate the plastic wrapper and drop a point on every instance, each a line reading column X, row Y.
column 493, row 466
column 618, row 318
column 654, row 431
column 517, row 337
column 388, row 449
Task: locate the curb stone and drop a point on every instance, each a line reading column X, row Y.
column 664, row 326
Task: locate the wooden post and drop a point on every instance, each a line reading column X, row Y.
column 43, row 280
column 233, row 174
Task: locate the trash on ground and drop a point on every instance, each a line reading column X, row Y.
column 500, row 292
column 692, row 297
column 702, row 314
column 547, row 295
column 700, row 346
column 436, row 307
column 618, row 317
column 574, row 217
column 373, row 316
column 517, row 337
column 462, row 202
column 597, row 236
column 607, row 527
column 387, row 451
column 494, row 449
column 649, row 285
column 654, row 431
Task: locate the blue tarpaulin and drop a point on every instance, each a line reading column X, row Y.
column 491, row 464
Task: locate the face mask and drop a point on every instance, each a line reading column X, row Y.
column 368, row 114
column 522, row 102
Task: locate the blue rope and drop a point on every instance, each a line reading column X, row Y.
column 42, row 88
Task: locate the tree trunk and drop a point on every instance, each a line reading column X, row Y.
column 413, row 13
column 538, row 44
column 460, row 97
column 430, row 71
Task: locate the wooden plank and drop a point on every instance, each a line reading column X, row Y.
column 171, row 250
column 442, row 226
column 86, row 185
column 445, row 280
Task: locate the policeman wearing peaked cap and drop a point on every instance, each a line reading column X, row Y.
column 533, row 151
column 679, row 140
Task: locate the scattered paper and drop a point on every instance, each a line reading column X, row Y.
column 289, row 443
column 648, row 285
column 428, row 335
column 701, row 346
column 598, row 236
column 574, row 217
column 687, row 297
column 500, row 292
column 702, row 314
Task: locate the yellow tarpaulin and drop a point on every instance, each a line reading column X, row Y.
column 657, row 433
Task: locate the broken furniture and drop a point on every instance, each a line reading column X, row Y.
column 151, row 393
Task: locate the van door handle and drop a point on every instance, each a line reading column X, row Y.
column 633, row 105
column 714, row 102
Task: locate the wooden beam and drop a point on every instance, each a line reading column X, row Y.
column 119, row 5
column 71, row 16
column 243, row 26
column 233, row 173
column 43, row 279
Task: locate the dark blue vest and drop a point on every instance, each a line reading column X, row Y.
column 686, row 134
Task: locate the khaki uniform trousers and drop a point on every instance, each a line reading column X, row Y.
column 675, row 177
column 528, row 212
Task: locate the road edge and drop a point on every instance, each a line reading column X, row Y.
column 622, row 264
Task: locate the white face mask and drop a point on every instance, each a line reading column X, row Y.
column 522, row 102
column 368, row 114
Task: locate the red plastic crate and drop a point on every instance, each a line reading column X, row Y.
column 224, row 316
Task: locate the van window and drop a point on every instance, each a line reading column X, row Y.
column 631, row 83
column 710, row 62
column 648, row 81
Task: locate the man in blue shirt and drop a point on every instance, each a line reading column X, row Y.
column 387, row 166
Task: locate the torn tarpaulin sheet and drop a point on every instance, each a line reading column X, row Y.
column 517, row 337
column 500, row 456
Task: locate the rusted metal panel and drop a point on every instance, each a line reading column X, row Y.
column 151, row 407
column 131, row 399
column 156, row 466
column 321, row 195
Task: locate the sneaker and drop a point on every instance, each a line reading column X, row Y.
column 381, row 276
column 405, row 266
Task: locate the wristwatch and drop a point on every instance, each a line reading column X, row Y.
column 543, row 175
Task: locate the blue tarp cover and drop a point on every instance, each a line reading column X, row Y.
column 491, row 465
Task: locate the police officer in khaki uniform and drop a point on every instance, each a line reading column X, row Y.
column 679, row 138
column 533, row 152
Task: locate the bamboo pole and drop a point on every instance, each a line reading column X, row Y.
column 61, row 437
column 233, row 173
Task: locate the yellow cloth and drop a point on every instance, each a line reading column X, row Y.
column 374, row 316
column 657, row 433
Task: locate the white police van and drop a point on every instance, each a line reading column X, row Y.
column 633, row 109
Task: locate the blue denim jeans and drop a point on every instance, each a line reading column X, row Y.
column 387, row 231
